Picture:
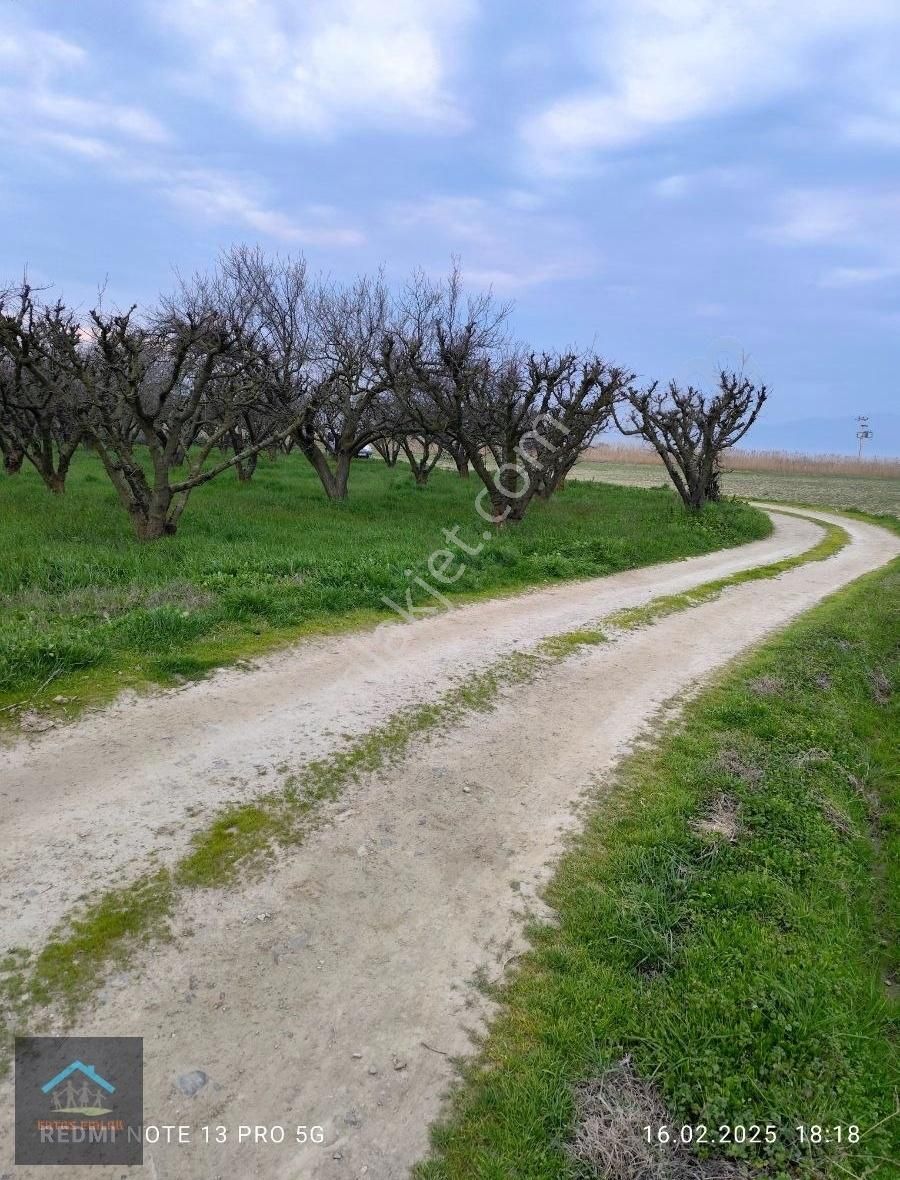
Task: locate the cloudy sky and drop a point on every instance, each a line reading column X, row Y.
column 678, row 182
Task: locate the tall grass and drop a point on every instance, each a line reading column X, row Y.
column 81, row 601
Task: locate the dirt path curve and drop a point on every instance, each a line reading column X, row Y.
column 144, row 774
column 330, row 992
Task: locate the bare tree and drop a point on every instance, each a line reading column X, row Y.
column 317, row 350
column 155, row 396
column 580, row 393
column 690, row 429
column 446, row 359
column 184, row 380
column 458, row 454
column 422, row 453
column 351, row 390
column 250, row 432
column 388, row 448
column 13, row 455
column 519, row 420
column 273, row 295
column 38, row 413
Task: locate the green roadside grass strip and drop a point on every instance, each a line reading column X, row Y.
column 744, row 978
column 834, row 540
column 73, row 962
column 280, row 818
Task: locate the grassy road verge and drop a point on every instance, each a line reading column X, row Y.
column 85, row 610
column 726, row 925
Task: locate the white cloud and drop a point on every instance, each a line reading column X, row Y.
column 863, row 225
column 66, row 110
column 859, row 276
column 672, row 187
column 661, row 63
column 699, row 183
column 810, row 215
column 42, row 82
column 217, row 197
column 41, row 53
column 87, row 146
column 44, row 106
column 320, row 66
column 879, row 125
column 841, row 217
column 502, row 242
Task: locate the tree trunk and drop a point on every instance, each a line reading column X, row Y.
column 12, row 461
column 151, row 520
column 52, row 479
column 713, row 488
column 149, row 527
column 518, row 508
column 462, row 464
column 341, row 475
column 246, row 469
column 334, row 482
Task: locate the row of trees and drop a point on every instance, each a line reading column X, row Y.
column 259, row 356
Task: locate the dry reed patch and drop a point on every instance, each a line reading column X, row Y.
column 881, row 687
column 837, row 818
column 780, row 462
column 721, row 819
column 766, row 686
column 611, row 1114
column 734, row 763
column 859, row 787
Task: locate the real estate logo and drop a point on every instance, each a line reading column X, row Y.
column 79, row 1100
column 88, row 1098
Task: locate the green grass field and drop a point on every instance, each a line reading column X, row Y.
column 873, row 494
column 726, row 950
column 86, row 610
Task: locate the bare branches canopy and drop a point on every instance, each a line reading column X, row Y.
column 690, row 429
column 257, row 355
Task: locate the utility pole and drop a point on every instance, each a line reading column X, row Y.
column 862, row 431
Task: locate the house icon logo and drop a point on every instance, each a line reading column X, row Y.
column 79, row 1089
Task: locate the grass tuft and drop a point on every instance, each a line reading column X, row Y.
column 81, row 951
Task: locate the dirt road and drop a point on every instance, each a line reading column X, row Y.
column 334, row 992
column 146, row 773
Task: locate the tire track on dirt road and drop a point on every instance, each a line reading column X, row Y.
column 336, row 990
